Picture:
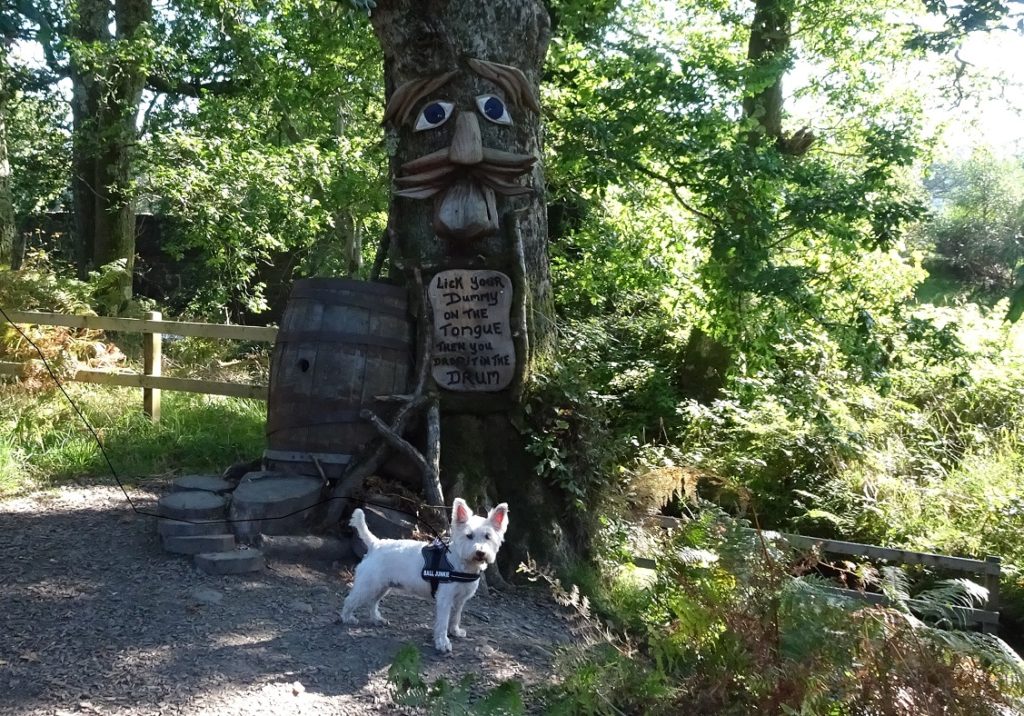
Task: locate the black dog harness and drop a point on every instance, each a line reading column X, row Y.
column 438, row 570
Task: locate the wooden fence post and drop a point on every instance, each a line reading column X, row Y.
column 151, row 361
column 992, row 584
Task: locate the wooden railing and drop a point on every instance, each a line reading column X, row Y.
column 153, row 329
column 988, row 569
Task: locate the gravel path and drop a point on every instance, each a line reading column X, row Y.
column 98, row 619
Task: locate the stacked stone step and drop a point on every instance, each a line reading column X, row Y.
column 271, row 503
column 194, row 522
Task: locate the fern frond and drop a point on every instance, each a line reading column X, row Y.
column 895, row 585
column 946, row 600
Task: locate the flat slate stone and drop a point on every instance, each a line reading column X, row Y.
column 193, row 505
column 202, row 483
column 306, row 548
column 275, row 504
column 238, row 561
column 200, row 543
column 176, row 528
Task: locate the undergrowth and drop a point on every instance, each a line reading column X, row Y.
column 43, row 442
column 442, row 698
column 723, row 627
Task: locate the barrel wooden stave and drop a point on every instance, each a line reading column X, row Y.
column 341, row 344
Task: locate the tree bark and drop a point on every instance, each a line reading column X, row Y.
column 770, row 35
column 483, row 455
column 8, row 226
column 105, row 105
column 89, row 27
column 767, row 48
column 115, row 215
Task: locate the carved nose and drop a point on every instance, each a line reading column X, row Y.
column 466, row 146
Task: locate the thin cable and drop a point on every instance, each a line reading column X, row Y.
column 127, row 497
column 71, row 402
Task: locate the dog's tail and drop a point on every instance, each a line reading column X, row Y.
column 358, row 522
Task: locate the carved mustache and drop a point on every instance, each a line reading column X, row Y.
column 426, row 176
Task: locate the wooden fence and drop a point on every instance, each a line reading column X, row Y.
column 153, row 329
column 988, row 569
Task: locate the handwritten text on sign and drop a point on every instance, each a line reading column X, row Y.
column 473, row 347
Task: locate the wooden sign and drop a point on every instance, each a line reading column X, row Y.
column 473, row 349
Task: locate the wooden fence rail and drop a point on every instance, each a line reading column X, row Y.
column 153, row 328
column 989, row 569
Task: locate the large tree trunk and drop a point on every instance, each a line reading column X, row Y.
column 483, row 456
column 115, row 215
column 7, row 221
column 90, row 26
column 105, row 105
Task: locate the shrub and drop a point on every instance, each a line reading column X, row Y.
column 979, row 224
column 445, row 699
column 723, row 628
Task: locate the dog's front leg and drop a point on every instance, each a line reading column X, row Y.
column 462, row 596
column 444, row 609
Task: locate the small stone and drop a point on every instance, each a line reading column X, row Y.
column 301, row 607
column 297, row 688
column 306, row 548
column 237, row 471
column 386, row 523
column 204, row 595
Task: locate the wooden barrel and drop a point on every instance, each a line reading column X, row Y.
column 341, row 343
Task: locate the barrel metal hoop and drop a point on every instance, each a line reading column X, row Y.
column 326, row 458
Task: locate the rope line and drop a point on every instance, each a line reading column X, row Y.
column 138, row 511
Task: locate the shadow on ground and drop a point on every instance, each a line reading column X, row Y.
column 98, row 618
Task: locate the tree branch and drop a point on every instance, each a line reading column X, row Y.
column 672, row 185
column 184, row 88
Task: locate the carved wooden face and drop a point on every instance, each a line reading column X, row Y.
column 464, row 176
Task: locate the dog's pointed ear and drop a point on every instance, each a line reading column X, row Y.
column 460, row 511
column 499, row 517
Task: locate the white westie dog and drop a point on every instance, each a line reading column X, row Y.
column 412, row 567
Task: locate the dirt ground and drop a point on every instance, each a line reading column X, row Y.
column 98, row 619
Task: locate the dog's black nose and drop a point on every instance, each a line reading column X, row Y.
column 480, row 556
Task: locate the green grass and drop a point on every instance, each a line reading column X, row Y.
column 44, row 443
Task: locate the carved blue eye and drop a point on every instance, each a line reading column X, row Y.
column 433, row 115
column 493, row 109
